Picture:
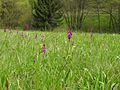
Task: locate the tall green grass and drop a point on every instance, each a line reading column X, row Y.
column 93, row 64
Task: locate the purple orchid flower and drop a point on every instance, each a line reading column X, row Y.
column 44, row 49
column 69, row 34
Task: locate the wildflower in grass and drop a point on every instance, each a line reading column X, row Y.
column 5, row 28
column 43, row 38
column 36, row 37
column 69, row 34
column 44, row 49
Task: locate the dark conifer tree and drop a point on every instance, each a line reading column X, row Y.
column 47, row 14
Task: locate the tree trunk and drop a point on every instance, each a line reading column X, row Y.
column 119, row 18
column 74, row 14
column 98, row 14
column 110, row 22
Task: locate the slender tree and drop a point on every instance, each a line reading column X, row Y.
column 74, row 13
column 119, row 17
column 98, row 14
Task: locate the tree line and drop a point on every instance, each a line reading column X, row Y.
column 92, row 15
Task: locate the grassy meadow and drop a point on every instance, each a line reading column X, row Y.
column 92, row 63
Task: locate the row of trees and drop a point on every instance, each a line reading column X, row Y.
column 48, row 14
column 76, row 11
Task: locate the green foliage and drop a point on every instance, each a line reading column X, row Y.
column 47, row 14
column 9, row 12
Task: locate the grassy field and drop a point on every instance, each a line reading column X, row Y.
column 93, row 63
